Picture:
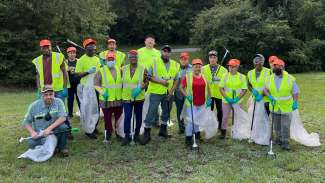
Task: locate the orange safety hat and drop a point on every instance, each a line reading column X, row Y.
column 279, row 62
column 45, row 42
column 70, row 49
column 272, row 58
column 234, row 62
column 88, row 41
column 197, row 61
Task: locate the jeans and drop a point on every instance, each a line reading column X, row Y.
column 60, row 132
column 179, row 107
column 58, row 94
column 128, row 110
column 154, row 101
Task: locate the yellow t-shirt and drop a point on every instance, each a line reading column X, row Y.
column 147, row 56
column 84, row 64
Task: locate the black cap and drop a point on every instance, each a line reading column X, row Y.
column 166, row 47
column 213, row 52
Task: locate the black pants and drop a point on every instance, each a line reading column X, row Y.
column 267, row 108
column 72, row 92
column 218, row 103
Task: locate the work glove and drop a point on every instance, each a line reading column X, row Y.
column 189, row 98
column 64, row 92
column 91, row 70
column 105, row 95
column 229, row 100
column 295, row 105
column 235, row 100
column 102, row 61
column 272, row 99
column 136, row 91
column 257, row 96
column 208, row 103
column 38, row 93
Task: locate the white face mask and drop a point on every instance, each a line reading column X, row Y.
column 110, row 64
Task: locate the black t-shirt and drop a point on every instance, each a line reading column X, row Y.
column 73, row 78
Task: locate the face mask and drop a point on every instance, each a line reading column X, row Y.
column 277, row 71
column 110, row 64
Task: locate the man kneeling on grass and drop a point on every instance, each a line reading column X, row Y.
column 44, row 117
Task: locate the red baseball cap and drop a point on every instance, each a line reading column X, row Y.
column 71, row 49
column 184, row 55
column 111, row 41
column 88, row 41
column 197, row 61
column 45, row 42
column 272, row 58
column 110, row 54
column 234, row 62
column 279, row 62
column 133, row 52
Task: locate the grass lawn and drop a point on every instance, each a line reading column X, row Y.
column 165, row 161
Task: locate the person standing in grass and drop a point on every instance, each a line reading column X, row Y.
column 213, row 73
column 134, row 82
column 44, row 117
column 112, row 47
column 233, row 87
column 283, row 93
column 108, row 83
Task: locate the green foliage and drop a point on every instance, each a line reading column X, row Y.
column 292, row 30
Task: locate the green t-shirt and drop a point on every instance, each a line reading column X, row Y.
column 147, row 56
column 84, row 64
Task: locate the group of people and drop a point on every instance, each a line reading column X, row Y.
column 133, row 87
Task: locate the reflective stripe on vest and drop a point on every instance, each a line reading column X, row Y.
column 128, row 82
column 113, row 86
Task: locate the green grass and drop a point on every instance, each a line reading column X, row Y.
column 166, row 161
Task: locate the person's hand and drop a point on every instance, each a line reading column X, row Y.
column 256, row 95
column 136, row 91
column 258, row 98
column 34, row 135
column 189, row 98
column 208, row 103
column 102, row 61
column 105, row 95
column 229, row 100
column 272, row 99
column 64, row 92
column 165, row 83
column 295, row 105
column 47, row 132
column 91, row 70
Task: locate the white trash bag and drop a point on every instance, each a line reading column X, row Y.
column 43, row 152
column 241, row 128
column 261, row 131
column 299, row 133
column 88, row 105
column 120, row 125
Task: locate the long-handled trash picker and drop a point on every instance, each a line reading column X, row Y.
column 270, row 153
column 194, row 146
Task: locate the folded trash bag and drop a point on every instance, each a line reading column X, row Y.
column 299, row 133
column 88, row 105
column 43, row 152
column 241, row 128
column 261, row 131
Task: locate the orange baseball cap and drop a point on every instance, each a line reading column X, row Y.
column 184, row 55
column 88, row 41
column 279, row 62
column 71, row 49
column 45, row 42
column 234, row 62
column 133, row 52
column 197, row 61
column 272, row 58
column 111, row 41
column 110, row 55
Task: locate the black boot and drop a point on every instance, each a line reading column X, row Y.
column 188, row 141
column 136, row 138
column 146, row 136
column 181, row 127
column 163, row 131
column 126, row 141
column 223, row 134
column 198, row 136
column 91, row 135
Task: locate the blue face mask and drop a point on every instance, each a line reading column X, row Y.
column 110, row 64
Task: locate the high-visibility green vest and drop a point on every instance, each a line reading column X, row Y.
column 113, row 86
column 129, row 83
column 57, row 75
column 233, row 85
column 259, row 84
column 283, row 96
column 120, row 57
column 189, row 86
column 160, row 72
column 214, row 80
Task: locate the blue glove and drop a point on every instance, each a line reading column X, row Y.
column 64, row 92
column 208, row 103
column 105, row 95
column 102, row 61
column 92, row 70
column 235, row 100
column 295, row 105
column 272, row 99
column 229, row 100
column 189, row 98
column 136, row 91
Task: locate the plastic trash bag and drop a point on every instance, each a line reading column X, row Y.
column 88, row 105
column 241, row 128
column 203, row 117
column 261, row 131
column 120, row 126
column 299, row 133
column 43, row 152
column 101, row 113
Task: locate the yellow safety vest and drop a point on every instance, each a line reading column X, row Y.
column 283, row 96
column 189, row 86
column 160, row 72
column 233, row 86
column 260, row 83
column 120, row 57
column 129, row 83
column 214, row 84
column 113, row 86
column 57, row 75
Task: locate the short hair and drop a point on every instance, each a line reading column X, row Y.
column 149, row 36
